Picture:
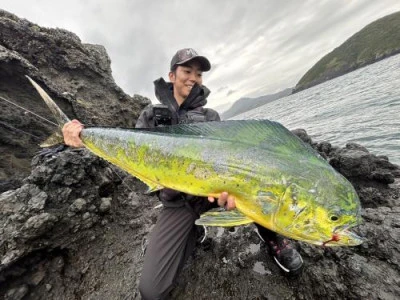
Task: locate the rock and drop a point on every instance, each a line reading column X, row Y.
column 37, row 225
column 353, row 163
column 302, row 134
column 76, row 75
column 37, row 277
column 105, row 205
column 10, row 184
column 355, row 146
column 38, row 201
column 78, row 205
column 17, row 293
column 324, row 147
column 384, row 177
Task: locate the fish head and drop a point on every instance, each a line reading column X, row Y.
column 319, row 215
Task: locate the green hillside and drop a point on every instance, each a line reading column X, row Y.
column 376, row 41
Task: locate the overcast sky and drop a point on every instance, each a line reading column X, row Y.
column 256, row 47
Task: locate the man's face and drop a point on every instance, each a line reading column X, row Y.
column 184, row 78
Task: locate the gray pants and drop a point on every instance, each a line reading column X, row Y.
column 171, row 243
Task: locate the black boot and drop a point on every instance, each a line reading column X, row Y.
column 282, row 250
column 285, row 255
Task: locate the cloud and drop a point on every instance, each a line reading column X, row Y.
column 230, row 92
column 258, row 46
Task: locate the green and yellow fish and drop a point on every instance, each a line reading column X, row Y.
column 277, row 181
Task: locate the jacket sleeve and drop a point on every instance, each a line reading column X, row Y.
column 212, row 115
column 146, row 119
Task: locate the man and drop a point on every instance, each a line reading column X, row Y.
column 174, row 236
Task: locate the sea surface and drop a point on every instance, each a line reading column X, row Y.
column 362, row 107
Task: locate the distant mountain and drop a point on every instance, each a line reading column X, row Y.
column 222, row 108
column 245, row 104
column 376, row 41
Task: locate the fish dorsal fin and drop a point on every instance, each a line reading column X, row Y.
column 223, row 218
column 57, row 112
column 232, row 130
column 265, row 134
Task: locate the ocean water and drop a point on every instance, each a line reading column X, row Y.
column 362, row 107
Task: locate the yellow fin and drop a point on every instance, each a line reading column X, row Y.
column 54, row 139
column 223, row 218
column 153, row 188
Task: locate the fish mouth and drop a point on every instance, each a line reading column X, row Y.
column 344, row 237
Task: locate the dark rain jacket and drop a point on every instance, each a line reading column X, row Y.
column 192, row 110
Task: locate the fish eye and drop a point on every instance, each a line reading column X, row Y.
column 334, row 218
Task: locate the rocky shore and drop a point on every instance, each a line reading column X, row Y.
column 73, row 226
column 76, row 227
column 76, row 75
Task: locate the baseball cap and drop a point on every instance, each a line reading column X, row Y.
column 187, row 54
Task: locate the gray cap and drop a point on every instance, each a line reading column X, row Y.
column 187, row 54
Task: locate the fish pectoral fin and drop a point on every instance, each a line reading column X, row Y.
column 223, row 218
column 153, row 188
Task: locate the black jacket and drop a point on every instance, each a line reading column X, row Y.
column 191, row 111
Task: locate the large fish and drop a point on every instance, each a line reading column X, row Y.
column 277, row 181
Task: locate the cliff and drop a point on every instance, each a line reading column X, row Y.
column 376, row 41
column 77, row 75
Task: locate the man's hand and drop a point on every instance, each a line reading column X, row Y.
column 225, row 200
column 71, row 132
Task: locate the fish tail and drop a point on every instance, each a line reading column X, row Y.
column 59, row 115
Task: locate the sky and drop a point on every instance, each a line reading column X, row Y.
column 256, row 47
